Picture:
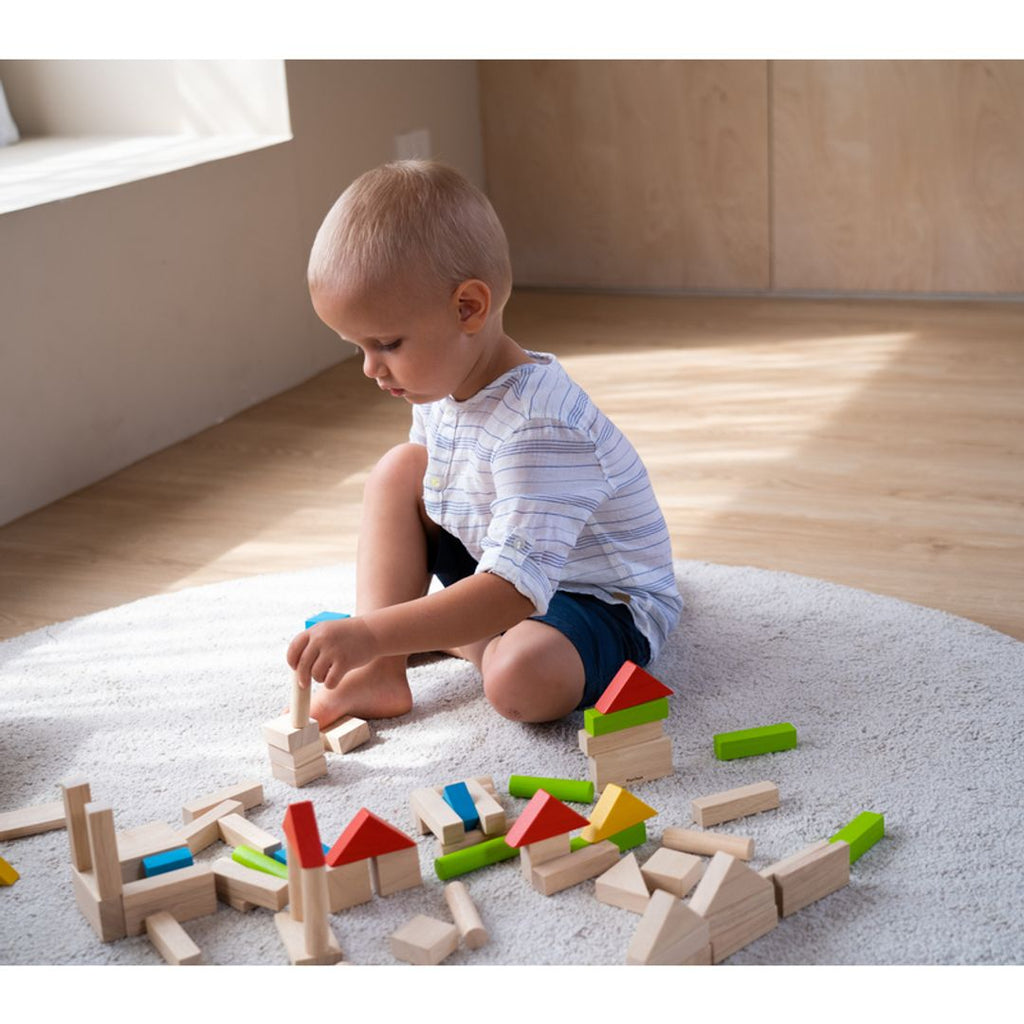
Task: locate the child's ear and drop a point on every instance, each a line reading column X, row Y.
column 473, row 301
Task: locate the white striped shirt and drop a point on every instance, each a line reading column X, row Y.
column 546, row 492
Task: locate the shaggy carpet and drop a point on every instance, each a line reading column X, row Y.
column 902, row 710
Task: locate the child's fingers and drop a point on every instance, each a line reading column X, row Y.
column 296, row 647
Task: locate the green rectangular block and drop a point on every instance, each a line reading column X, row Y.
column 627, row 839
column 577, row 791
column 861, row 834
column 600, row 725
column 461, row 862
column 259, row 861
column 765, row 739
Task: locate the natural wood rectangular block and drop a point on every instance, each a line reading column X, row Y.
column 594, row 746
column 238, row 831
column 735, row 803
column 299, row 777
column 562, row 872
column 280, row 733
column 810, row 876
column 397, row 870
column 204, row 831
column 106, row 917
column 29, row 821
column 627, row 766
column 135, row 844
column 348, row 885
column 234, row 881
column 345, row 735
column 424, row 940
column 186, row 893
column 170, row 940
column 299, row 758
column 249, row 793
column 293, row 936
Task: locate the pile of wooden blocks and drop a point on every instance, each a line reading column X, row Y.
column 460, row 814
column 623, row 736
column 293, row 742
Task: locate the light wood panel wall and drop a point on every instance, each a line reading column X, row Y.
column 834, row 176
column 639, row 174
column 903, row 176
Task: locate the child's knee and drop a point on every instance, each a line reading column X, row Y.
column 525, row 686
column 404, row 464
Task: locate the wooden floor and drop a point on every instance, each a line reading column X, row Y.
column 875, row 444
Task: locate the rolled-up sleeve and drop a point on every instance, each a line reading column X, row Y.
column 548, row 482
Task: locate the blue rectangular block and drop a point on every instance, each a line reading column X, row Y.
column 281, row 853
column 160, row 863
column 457, row 797
column 325, row 617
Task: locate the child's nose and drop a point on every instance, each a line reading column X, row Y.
column 372, row 365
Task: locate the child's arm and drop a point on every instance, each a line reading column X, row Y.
column 472, row 609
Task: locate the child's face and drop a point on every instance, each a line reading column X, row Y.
column 415, row 342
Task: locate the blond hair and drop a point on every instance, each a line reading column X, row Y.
column 411, row 220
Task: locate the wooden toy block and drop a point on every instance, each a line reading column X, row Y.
column 134, row 845
column 533, row 854
column 596, row 746
column 670, row 933
column 203, row 832
column 433, row 814
column 106, row 867
column 293, row 937
column 349, row 885
column 673, row 871
column 629, row 766
column 576, row 791
column 75, row 795
column 397, row 870
column 250, row 793
column 493, row 820
column 281, row 734
column 303, row 835
column 424, row 940
column 808, row 876
column 461, row 862
column 257, row 861
column 542, row 818
column 469, row 839
column 299, row 777
column 861, row 834
column 630, row 687
column 623, row 885
column 299, row 759
column 599, row 725
column 238, row 831
column 105, row 916
column 8, row 875
column 170, row 860
column 316, row 929
column 689, row 840
column 366, row 835
column 735, row 803
column 170, row 940
column 346, row 734
column 555, row 875
column 616, row 809
column 738, row 904
column 185, row 894
column 457, row 797
column 792, row 859
column 301, row 697
column 30, row 821
column 325, row 617
column 765, row 739
column 466, row 916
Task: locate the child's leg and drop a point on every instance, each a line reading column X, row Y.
column 391, row 567
column 532, row 673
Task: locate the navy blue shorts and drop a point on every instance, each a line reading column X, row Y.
column 603, row 634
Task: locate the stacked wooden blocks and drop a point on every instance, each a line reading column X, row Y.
column 294, row 743
column 460, row 814
column 622, row 735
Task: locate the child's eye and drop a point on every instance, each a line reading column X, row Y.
column 390, row 346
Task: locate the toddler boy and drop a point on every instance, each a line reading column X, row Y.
column 514, row 490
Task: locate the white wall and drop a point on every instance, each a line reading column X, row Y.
column 133, row 317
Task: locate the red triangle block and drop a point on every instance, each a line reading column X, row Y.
column 303, row 835
column 366, row 836
column 630, row 687
column 542, row 818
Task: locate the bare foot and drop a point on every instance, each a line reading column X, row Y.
column 378, row 690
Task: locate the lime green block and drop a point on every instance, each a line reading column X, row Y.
column 259, row 861
column 862, row 833
column 627, row 839
column 577, row 791
column 600, row 725
column 747, row 742
column 461, row 862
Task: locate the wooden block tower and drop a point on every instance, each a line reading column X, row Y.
column 304, row 928
column 623, row 736
column 293, row 740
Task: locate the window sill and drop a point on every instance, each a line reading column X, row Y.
column 43, row 170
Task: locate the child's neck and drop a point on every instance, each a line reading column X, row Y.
column 499, row 355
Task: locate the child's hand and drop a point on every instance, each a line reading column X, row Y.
column 328, row 650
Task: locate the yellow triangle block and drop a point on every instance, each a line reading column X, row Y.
column 616, row 810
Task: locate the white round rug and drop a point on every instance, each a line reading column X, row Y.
column 899, row 709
